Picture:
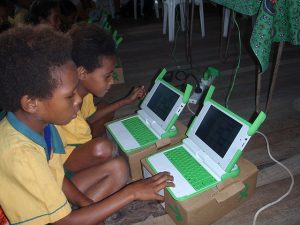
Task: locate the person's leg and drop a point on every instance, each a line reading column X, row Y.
column 94, row 152
column 100, row 181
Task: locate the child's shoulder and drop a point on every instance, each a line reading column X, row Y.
column 12, row 139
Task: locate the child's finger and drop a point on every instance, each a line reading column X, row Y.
column 159, row 197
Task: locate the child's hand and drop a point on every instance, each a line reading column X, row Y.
column 137, row 93
column 148, row 189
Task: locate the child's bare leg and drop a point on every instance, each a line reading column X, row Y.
column 95, row 151
column 100, row 181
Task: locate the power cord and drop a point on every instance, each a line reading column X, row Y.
column 283, row 196
column 188, row 106
column 173, row 49
column 238, row 65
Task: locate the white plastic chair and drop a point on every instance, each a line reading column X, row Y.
column 169, row 16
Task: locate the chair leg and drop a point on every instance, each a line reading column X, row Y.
column 201, row 13
column 135, row 9
column 224, row 33
column 112, row 8
column 156, row 9
column 229, row 32
column 182, row 15
column 226, row 16
column 142, row 7
column 171, row 20
column 258, row 91
column 274, row 75
column 165, row 12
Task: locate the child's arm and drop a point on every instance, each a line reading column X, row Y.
column 137, row 93
column 146, row 189
column 74, row 195
column 105, row 114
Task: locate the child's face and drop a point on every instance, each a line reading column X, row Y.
column 63, row 106
column 100, row 80
column 53, row 19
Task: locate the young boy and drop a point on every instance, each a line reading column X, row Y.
column 39, row 88
column 94, row 53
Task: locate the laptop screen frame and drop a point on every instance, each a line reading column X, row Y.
column 238, row 143
column 174, row 110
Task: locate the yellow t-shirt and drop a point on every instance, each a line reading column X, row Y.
column 21, row 15
column 78, row 130
column 30, row 187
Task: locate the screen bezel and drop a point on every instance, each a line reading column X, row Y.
column 238, row 143
column 157, row 119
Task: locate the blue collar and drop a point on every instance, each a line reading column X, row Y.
column 56, row 142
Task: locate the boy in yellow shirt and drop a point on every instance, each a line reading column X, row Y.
column 94, row 53
column 38, row 89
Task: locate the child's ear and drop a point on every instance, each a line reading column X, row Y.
column 28, row 104
column 82, row 73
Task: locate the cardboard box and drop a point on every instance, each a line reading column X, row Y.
column 134, row 158
column 118, row 73
column 209, row 206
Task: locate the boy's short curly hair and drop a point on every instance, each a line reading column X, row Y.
column 90, row 44
column 30, row 58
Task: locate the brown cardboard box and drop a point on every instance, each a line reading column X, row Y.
column 118, row 73
column 134, row 158
column 211, row 205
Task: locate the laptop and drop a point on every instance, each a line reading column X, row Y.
column 155, row 120
column 215, row 141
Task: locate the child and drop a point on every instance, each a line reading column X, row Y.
column 68, row 14
column 45, row 12
column 39, row 88
column 94, row 53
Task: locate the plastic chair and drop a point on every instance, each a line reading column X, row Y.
column 169, row 16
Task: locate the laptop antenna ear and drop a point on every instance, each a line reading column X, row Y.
column 256, row 124
column 209, row 93
column 162, row 74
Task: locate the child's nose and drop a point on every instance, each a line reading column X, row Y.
column 111, row 81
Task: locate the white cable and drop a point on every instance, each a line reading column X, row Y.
column 188, row 106
column 283, row 196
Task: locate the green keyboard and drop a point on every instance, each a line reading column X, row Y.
column 142, row 134
column 190, row 169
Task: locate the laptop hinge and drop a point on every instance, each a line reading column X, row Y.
column 152, row 124
column 203, row 158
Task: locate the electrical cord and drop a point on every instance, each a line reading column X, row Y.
column 238, row 65
column 283, row 196
column 175, row 41
column 188, row 106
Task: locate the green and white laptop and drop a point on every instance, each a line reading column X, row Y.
column 208, row 155
column 155, row 120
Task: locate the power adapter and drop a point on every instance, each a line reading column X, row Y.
column 196, row 95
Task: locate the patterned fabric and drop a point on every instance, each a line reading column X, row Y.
column 248, row 7
column 277, row 21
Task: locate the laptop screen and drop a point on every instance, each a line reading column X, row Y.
column 163, row 101
column 218, row 130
